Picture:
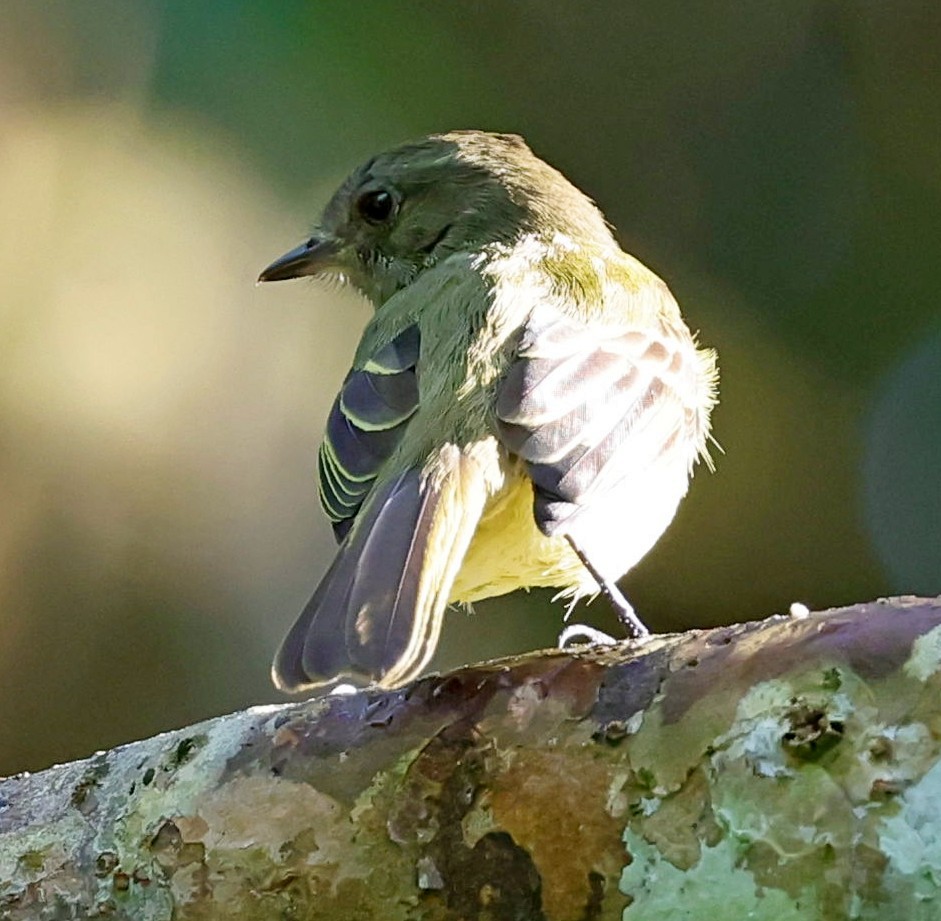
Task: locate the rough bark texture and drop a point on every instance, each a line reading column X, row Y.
column 788, row 769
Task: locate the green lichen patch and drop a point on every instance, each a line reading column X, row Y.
column 680, row 825
column 717, row 886
column 822, row 794
column 925, row 658
column 911, row 840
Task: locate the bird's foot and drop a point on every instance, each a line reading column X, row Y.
column 585, row 634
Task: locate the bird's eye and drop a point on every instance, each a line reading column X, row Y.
column 375, row 207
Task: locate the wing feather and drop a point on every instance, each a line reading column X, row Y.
column 588, row 407
column 376, row 615
column 366, row 425
column 396, row 356
column 343, row 628
column 376, row 402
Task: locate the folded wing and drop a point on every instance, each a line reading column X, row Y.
column 365, row 425
column 596, row 412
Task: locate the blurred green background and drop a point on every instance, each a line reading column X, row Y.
column 778, row 164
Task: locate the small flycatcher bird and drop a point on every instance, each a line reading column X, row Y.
column 524, row 409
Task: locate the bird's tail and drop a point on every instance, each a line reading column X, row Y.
column 376, row 616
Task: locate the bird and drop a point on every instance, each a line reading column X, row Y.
column 524, row 409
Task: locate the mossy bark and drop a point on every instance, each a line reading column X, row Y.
column 788, row 769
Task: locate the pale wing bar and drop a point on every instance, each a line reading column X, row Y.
column 365, row 425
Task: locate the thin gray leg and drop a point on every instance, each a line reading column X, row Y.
column 634, row 626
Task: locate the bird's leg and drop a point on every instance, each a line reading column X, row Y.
column 635, row 627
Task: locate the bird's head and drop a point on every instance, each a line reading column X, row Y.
column 405, row 210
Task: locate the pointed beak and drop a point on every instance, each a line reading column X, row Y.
column 309, row 258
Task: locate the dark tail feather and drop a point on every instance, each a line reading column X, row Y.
column 377, row 613
column 387, row 628
column 323, row 617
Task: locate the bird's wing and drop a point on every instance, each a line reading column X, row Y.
column 377, row 613
column 365, row 425
column 588, row 407
column 403, row 522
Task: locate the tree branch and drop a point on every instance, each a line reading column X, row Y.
column 784, row 769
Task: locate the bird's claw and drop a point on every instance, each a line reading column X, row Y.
column 589, row 635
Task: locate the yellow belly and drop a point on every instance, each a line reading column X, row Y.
column 508, row 551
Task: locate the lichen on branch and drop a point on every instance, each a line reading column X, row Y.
column 787, row 769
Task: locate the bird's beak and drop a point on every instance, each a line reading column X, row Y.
column 309, row 258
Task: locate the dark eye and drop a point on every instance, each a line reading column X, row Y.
column 375, row 207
